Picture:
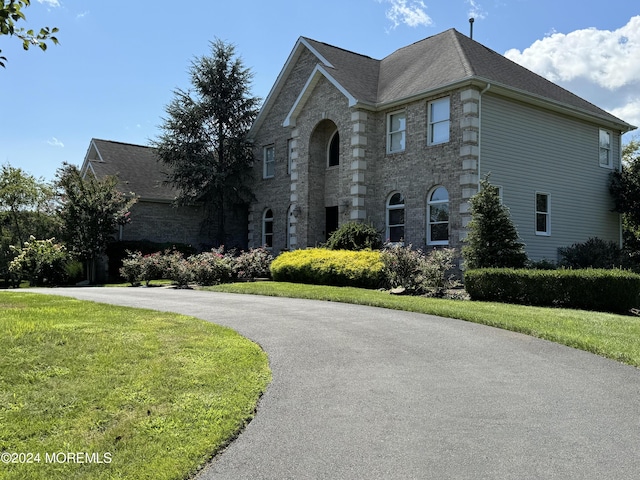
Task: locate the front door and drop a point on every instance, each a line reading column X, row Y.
column 331, row 221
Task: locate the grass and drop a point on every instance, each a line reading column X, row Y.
column 609, row 335
column 151, row 395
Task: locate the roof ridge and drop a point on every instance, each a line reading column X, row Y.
column 121, row 143
column 340, row 48
column 468, row 66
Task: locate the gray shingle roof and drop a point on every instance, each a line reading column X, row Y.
column 435, row 62
column 136, row 167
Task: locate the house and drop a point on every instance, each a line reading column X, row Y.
column 402, row 143
column 154, row 217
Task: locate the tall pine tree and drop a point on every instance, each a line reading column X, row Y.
column 203, row 136
column 492, row 239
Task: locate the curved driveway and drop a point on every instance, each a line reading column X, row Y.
column 368, row 393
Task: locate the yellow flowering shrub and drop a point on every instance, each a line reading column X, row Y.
column 329, row 267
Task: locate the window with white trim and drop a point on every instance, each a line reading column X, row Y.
column 269, row 161
column 438, row 217
column 395, row 218
column 439, row 122
column 396, row 132
column 267, row 228
column 605, row 149
column 543, row 214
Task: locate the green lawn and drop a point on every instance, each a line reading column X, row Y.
column 150, row 395
column 613, row 336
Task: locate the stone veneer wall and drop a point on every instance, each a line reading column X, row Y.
column 361, row 185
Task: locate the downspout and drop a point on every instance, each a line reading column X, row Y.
column 480, row 131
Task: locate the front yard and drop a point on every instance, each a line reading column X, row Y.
column 91, row 391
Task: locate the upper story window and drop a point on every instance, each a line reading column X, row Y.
column 269, row 161
column 395, row 218
column 438, row 217
column 438, row 121
column 396, row 132
column 605, row 149
column 543, row 214
column 333, row 153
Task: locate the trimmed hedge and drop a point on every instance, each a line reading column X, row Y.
column 588, row 289
column 329, row 267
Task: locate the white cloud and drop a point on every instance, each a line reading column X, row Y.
column 51, row 3
column 54, row 142
column 409, row 12
column 475, row 10
column 82, row 15
column 599, row 65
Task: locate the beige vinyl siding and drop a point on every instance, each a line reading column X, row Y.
column 528, row 150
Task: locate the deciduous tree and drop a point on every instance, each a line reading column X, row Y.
column 91, row 212
column 11, row 11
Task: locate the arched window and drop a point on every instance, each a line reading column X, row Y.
column 438, row 217
column 333, row 154
column 267, row 228
column 395, row 218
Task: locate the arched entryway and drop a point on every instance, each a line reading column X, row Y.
column 324, row 181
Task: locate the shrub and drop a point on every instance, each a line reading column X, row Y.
column 590, row 289
column 178, row 269
column 256, row 263
column 118, row 251
column 131, row 269
column 594, row 253
column 417, row 272
column 211, row 268
column 437, row 270
column 42, row 262
column 355, row 236
column 152, row 267
column 402, row 268
column 329, row 267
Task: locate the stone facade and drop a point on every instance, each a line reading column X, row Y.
column 367, row 175
column 324, row 91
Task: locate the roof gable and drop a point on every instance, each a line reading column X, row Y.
column 135, row 166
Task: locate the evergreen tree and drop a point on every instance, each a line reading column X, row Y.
column 492, row 239
column 203, row 140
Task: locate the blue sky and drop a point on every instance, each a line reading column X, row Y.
column 118, row 64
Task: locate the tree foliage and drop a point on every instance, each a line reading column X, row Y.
column 90, row 211
column 11, row 11
column 24, row 205
column 625, row 189
column 203, row 136
column 492, row 239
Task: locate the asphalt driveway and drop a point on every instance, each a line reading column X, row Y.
column 368, row 393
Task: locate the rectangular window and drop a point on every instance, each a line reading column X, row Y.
column 543, row 214
column 438, row 121
column 605, row 149
column 269, row 165
column 396, row 130
column 289, row 155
